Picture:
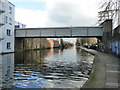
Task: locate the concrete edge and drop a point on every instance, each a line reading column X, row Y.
column 91, row 77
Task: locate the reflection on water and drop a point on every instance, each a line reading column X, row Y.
column 52, row 68
column 6, row 70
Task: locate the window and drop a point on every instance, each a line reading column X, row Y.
column 10, row 10
column 10, row 21
column 6, row 19
column 8, row 32
column 8, row 45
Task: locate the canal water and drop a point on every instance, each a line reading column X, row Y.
column 50, row 68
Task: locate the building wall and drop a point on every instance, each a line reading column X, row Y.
column 50, row 43
column 19, row 25
column 86, row 41
column 115, row 42
column 7, row 18
column 34, row 43
column 56, row 43
column 116, row 16
column 107, row 33
column 30, row 43
column 111, row 42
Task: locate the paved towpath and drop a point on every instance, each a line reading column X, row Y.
column 106, row 71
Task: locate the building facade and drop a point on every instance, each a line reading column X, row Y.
column 86, row 41
column 6, row 26
column 19, row 25
column 116, row 15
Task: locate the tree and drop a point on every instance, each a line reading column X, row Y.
column 108, row 10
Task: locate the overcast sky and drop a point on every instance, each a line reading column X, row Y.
column 45, row 13
column 56, row 13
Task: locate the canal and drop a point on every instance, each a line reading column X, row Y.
column 50, row 68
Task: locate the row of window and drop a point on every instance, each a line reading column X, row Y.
column 8, row 34
column 9, row 31
column 6, row 17
column 6, row 20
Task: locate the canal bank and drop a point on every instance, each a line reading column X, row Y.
column 105, row 71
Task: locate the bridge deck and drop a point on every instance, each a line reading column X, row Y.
column 56, row 32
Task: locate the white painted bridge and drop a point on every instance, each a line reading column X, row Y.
column 59, row 32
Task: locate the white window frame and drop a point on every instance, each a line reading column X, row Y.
column 10, row 10
column 8, row 32
column 8, row 45
column 10, row 21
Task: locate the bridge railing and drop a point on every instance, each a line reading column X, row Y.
column 59, row 32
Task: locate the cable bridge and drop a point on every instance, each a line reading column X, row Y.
column 59, row 32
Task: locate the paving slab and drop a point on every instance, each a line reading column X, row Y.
column 105, row 71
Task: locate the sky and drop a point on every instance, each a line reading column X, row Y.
column 56, row 13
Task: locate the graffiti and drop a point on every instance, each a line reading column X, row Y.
column 116, row 47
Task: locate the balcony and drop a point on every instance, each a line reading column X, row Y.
column 1, row 39
column 1, row 7
column 1, row 11
column 1, row 23
column 1, row 20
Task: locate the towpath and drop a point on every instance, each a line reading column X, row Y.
column 105, row 72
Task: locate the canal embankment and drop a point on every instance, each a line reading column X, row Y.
column 105, row 71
